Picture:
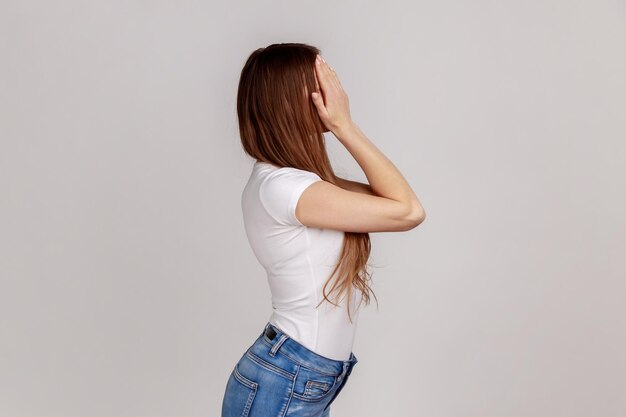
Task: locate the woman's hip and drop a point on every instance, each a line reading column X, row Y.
column 278, row 376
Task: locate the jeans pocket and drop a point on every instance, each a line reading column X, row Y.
column 313, row 386
column 239, row 395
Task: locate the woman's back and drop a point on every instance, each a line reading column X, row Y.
column 298, row 260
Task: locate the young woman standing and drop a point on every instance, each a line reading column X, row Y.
column 309, row 229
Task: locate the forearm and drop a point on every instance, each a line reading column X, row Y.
column 384, row 178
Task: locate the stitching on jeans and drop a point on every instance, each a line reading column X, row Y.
column 293, row 385
column 318, row 398
column 246, row 409
column 307, row 366
column 251, row 385
column 278, row 344
column 311, row 385
column 248, row 383
column 261, row 362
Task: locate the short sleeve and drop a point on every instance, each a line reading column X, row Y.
column 281, row 190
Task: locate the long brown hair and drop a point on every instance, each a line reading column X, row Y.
column 279, row 124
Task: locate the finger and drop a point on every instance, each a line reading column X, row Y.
column 328, row 78
column 317, row 83
column 331, row 84
column 323, row 75
column 331, row 74
column 321, row 68
column 316, row 96
column 317, row 67
column 318, row 76
column 332, row 80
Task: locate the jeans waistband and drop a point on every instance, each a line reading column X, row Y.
column 281, row 341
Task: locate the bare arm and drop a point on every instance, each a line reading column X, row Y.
column 355, row 186
column 387, row 203
column 385, row 180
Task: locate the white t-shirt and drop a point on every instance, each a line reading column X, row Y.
column 298, row 261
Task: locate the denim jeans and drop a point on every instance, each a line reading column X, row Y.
column 279, row 377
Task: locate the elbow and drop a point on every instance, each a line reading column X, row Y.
column 416, row 216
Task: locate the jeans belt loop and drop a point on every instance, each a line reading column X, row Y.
column 278, row 344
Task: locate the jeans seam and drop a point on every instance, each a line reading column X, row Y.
column 251, row 385
column 293, row 387
column 307, row 366
column 245, row 381
column 266, row 365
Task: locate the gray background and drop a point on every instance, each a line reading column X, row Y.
column 128, row 288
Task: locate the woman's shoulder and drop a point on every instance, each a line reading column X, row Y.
column 283, row 172
column 280, row 189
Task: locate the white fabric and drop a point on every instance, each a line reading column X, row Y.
column 298, row 261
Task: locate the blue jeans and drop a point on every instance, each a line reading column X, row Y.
column 279, row 377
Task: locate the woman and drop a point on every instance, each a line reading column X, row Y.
column 309, row 230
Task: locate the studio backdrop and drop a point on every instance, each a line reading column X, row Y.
column 127, row 285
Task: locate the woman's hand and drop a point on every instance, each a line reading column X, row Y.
column 332, row 104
